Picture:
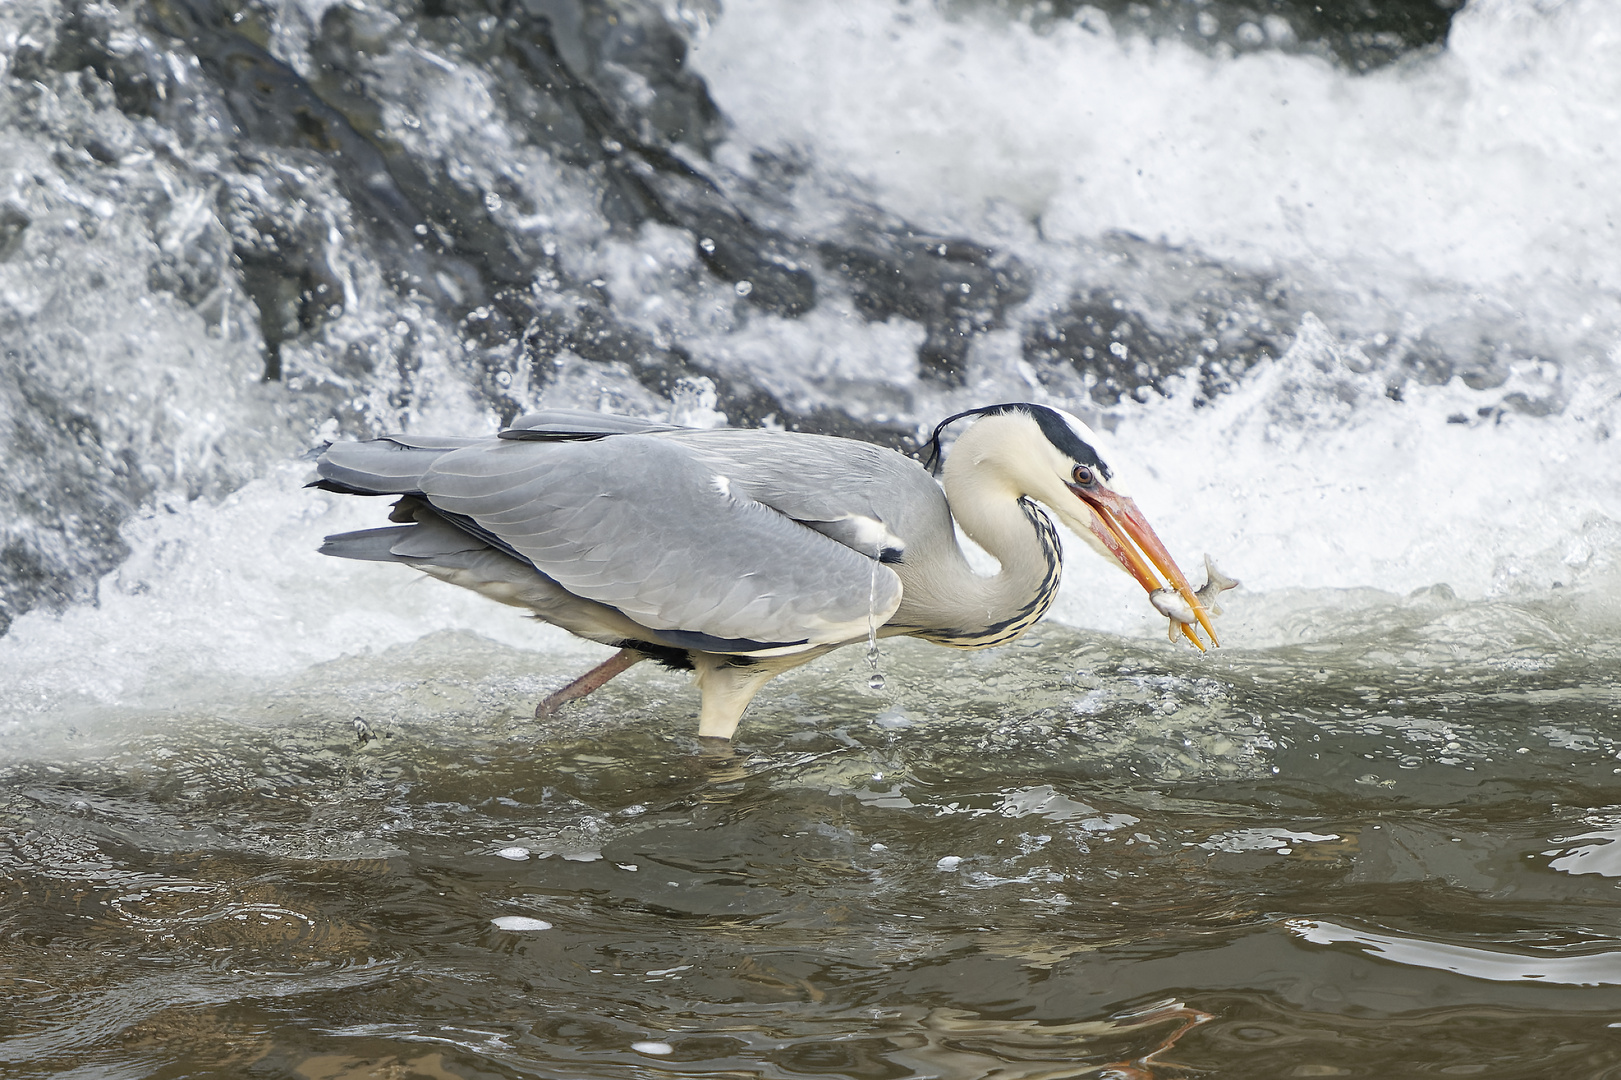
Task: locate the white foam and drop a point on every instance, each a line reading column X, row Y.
column 1306, row 478
column 1488, row 162
column 218, row 592
column 1542, row 967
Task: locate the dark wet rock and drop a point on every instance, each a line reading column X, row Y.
column 13, row 223
column 1109, row 344
column 603, row 87
column 1204, row 317
column 1361, row 34
column 62, row 570
column 283, row 250
column 272, row 105
column 434, row 238
column 636, row 63
column 95, row 37
column 449, row 216
column 955, row 288
column 434, row 235
column 648, row 180
column 65, row 494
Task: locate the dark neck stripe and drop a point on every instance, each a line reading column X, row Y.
column 1000, row 633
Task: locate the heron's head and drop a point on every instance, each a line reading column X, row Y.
column 1049, row 455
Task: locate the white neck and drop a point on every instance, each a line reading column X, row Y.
column 985, row 499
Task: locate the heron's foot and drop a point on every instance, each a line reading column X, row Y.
column 588, row 682
column 721, row 767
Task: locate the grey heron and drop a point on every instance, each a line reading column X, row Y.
column 744, row 553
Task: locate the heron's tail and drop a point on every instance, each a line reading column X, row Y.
column 370, row 545
column 431, row 540
column 392, row 465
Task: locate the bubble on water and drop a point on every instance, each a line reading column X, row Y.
column 658, row 1049
column 520, row 922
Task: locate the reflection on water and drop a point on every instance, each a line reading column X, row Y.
column 1085, row 857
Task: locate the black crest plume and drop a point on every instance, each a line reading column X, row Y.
column 1059, row 433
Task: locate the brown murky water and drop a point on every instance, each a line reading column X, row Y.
column 1085, row 857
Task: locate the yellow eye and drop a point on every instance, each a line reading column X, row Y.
column 1083, row 476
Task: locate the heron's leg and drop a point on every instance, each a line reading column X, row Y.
column 728, row 686
column 588, row 682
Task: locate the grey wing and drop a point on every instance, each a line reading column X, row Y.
column 638, row 523
column 866, row 497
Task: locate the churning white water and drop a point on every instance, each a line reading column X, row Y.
column 1463, row 197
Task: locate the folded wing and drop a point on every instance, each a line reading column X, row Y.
column 639, row 522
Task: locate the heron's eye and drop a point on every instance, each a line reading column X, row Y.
column 1083, row 476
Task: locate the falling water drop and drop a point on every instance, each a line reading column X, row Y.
column 876, row 681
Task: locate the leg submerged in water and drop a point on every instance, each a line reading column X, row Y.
column 591, row 680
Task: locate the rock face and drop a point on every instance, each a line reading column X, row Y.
column 230, row 226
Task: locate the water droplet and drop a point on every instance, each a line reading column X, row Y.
column 876, row 682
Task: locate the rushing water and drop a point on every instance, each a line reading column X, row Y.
column 1342, row 285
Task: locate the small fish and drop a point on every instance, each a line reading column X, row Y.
column 1169, row 602
column 1216, row 583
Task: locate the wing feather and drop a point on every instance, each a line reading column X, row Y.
column 637, row 521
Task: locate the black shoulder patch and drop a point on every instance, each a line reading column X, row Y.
column 701, row 642
column 674, row 659
column 528, row 435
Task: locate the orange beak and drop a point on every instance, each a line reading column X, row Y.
column 1126, row 533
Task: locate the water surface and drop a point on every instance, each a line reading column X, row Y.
column 1079, row 856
